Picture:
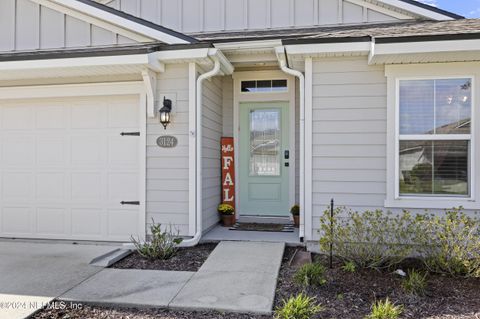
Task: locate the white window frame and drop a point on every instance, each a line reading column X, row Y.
column 434, row 137
column 397, row 73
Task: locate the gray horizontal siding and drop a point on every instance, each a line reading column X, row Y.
column 349, row 135
column 193, row 16
column 25, row 25
column 167, row 169
column 212, row 132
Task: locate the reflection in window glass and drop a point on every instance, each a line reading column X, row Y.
column 453, row 106
column 417, row 107
column 265, row 142
column 249, row 86
column 264, row 86
column 435, row 106
column 434, row 168
column 279, row 85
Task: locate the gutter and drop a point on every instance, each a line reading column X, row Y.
column 282, row 60
column 221, row 66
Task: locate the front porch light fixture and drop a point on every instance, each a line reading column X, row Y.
column 165, row 112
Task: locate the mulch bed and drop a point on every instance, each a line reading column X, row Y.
column 94, row 312
column 345, row 296
column 350, row 295
column 186, row 259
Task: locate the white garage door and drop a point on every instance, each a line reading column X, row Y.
column 65, row 168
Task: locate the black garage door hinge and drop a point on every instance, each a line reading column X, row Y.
column 129, row 203
column 130, row 134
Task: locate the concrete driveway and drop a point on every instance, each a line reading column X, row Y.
column 33, row 274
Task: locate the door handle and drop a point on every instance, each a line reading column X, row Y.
column 287, row 154
column 287, row 164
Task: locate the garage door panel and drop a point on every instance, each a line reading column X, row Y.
column 51, row 221
column 122, row 186
column 87, row 222
column 17, row 117
column 18, row 185
column 88, row 150
column 123, row 150
column 65, row 168
column 122, row 222
column 88, row 115
column 51, row 151
column 18, row 150
column 121, row 114
column 52, row 117
column 51, row 186
column 17, row 220
column 87, row 186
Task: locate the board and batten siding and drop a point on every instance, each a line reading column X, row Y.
column 212, row 120
column 167, row 168
column 349, row 135
column 25, row 25
column 194, row 16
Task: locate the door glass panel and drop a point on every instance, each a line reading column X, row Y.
column 265, row 142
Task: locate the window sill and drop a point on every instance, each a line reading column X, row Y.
column 432, row 203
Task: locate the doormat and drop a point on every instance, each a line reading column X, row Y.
column 281, row 228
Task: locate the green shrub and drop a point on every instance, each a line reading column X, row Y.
column 226, row 209
column 385, row 310
column 450, row 243
column 415, row 283
column 312, row 274
column 299, row 307
column 295, row 210
column 372, row 239
column 163, row 244
column 349, row 266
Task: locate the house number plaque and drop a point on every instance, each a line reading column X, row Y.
column 167, row 141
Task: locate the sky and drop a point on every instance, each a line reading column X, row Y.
column 467, row 8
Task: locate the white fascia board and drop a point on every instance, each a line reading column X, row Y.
column 113, row 23
column 416, row 10
column 327, row 48
column 425, row 47
column 178, row 55
column 248, row 45
column 137, row 59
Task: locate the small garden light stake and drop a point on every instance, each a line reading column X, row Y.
column 331, row 232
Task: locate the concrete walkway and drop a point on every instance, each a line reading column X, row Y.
column 237, row 277
column 33, row 274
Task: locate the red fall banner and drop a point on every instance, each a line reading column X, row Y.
column 228, row 171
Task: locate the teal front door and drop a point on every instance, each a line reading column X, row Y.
column 264, row 159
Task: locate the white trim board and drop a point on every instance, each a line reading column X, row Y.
column 110, row 21
column 416, row 9
column 70, row 90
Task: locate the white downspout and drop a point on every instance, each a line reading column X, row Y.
column 281, row 56
column 199, row 160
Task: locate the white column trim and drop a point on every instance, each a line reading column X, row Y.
column 192, row 163
column 307, row 157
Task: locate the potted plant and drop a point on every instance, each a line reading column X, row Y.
column 295, row 211
column 227, row 213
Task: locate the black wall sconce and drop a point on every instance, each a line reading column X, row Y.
column 165, row 112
